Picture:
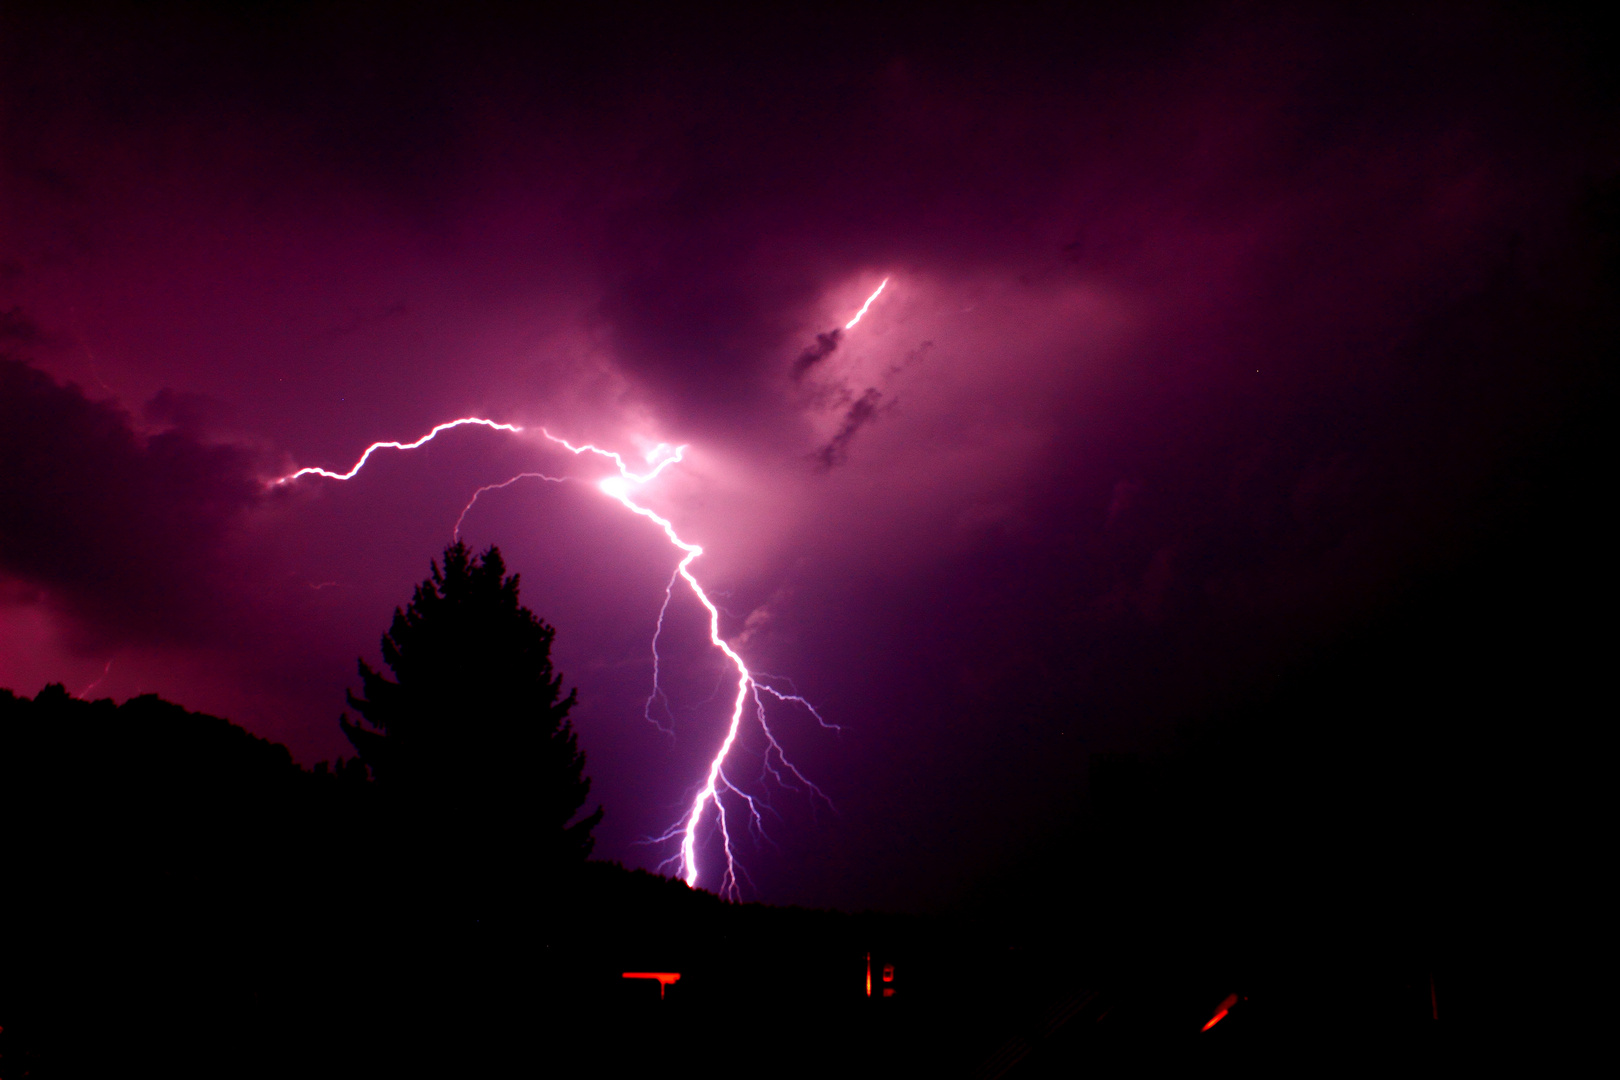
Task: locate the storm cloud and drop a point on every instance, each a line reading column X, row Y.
column 823, row 348
column 1238, row 326
column 120, row 527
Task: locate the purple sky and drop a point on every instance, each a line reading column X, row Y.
column 1179, row 371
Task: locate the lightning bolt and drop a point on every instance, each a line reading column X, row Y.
column 752, row 687
column 749, row 685
column 456, row 532
column 374, row 447
column 864, row 307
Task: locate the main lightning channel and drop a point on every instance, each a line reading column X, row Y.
column 374, row 447
column 859, row 314
column 750, row 686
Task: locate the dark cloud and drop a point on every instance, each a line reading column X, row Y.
column 122, row 530
column 185, row 412
column 1230, row 316
column 862, row 411
column 16, row 328
column 823, row 348
column 858, row 410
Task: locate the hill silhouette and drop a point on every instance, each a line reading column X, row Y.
column 196, row 903
column 179, row 879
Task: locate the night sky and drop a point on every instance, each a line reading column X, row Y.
column 1210, row 335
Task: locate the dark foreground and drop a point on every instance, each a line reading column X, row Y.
column 224, row 986
column 786, row 992
column 181, row 899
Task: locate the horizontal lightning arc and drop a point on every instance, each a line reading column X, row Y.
column 374, row 447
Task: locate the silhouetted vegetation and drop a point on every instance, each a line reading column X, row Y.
column 169, row 882
column 181, row 895
column 475, row 760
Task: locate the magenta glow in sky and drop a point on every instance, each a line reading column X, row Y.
column 750, row 689
column 1176, row 370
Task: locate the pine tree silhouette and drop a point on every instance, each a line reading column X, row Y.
column 470, row 742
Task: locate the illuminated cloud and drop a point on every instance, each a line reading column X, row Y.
column 1201, row 330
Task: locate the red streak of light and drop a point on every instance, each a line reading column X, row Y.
column 868, row 974
column 664, row 978
column 1220, row 1013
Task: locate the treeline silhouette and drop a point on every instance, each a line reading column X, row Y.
column 190, row 900
column 181, row 897
column 175, row 889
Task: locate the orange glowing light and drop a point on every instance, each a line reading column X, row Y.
column 868, row 974
column 1220, row 1013
column 664, row 978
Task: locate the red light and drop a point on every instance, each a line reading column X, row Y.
column 888, row 973
column 1220, row 1012
column 665, row 978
